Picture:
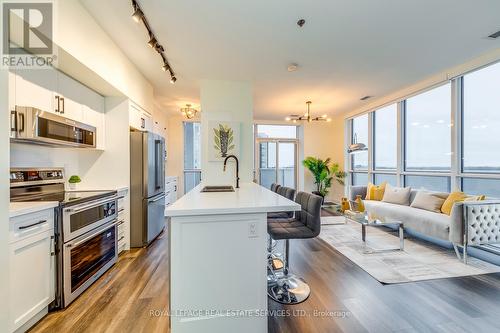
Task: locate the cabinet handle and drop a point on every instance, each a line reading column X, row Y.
column 21, row 121
column 63, row 107
column 52, row 246
column 32, row 225
column 57, row 107
column 13, row 121
column 121, row 238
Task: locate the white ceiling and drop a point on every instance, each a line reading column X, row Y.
column 346, row 50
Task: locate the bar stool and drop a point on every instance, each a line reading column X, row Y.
column 274, row 187
column 288, row 288
column 288, row 193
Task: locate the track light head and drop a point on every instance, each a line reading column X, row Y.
column 159, row 48
column 153, row 42
column 173, row 79
column 165, row 67
column 138, row 14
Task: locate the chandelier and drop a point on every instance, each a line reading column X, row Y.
column 307, row 116
column 189, row 112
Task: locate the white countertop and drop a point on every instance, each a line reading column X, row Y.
column 22, row 208
column 249, row 198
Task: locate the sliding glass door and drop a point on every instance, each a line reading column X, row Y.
column 277, row 162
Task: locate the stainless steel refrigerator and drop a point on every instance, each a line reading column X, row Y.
column 147, row 187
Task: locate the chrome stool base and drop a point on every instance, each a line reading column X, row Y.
column 288, row 289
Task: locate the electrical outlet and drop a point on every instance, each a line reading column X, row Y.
column 253, row 230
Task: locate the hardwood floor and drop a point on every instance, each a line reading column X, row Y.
column 347, row 298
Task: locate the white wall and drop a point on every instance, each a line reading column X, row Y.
column 4, row 198
column 227, row 101
column 175, row 151
column 323, row 140
column 79, row 34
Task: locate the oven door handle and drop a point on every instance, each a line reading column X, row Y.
column 107, row 226
column 92, row 205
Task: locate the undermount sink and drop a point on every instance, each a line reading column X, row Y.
column 218, row 189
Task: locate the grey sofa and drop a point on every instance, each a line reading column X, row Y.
column 470, row 223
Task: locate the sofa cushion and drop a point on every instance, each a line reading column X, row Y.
column 397, row 195
column 428, row 201
column 375, row 192
column 429, row 223
column 454, row 197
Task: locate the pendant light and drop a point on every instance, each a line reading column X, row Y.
column 307, row 116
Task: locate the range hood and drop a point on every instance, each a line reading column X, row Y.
column 31, row 125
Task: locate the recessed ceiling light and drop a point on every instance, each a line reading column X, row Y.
column 292, row 67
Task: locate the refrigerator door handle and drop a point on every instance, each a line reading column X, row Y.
column 157, row 164
column 157, row 199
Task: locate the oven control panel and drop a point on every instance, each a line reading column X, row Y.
column 29, row 176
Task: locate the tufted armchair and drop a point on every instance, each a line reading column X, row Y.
column 481, row 224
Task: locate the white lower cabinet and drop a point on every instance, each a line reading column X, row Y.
column 31, row 268
column 123, row 221
column 170, row 191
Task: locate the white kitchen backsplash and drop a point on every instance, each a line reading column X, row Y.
column 27, row 155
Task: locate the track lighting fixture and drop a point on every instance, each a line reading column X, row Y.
column 138, row 16
column 159, row 48
column 153, row 42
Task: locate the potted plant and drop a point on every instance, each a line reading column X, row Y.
column 73, row 180
column 324, row 174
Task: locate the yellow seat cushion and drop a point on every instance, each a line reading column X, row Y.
column 375, row 192
column 456, row 196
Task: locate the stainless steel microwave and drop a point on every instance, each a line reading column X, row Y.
column 36, row 126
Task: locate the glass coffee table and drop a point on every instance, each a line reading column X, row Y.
column 371, row 220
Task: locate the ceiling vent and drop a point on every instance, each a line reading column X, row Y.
column 494, row 35
column 365, row 98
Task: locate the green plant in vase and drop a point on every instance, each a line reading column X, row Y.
column 73, row 180
column 324, row 174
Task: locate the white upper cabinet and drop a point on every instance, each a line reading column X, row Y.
column 140, row 119
column 68, row 97
column 36, row 88
column 53, row 91
column 93, row 114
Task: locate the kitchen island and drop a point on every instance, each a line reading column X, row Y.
column 218, row 259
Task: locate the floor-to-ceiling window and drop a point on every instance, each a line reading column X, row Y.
column 480, row 131
column 385, row 145
column 440, row 139
column 427, row 143
column 192, row 155
column 277, row 155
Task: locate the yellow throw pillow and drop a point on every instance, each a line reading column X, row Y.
column 476, row 198
column 375, row 192
column 456, row 196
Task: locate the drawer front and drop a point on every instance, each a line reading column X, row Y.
column 121, row 247
column 28, row 225
column 121, row 205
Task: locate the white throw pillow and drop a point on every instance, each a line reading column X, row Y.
column 428, row 201
column 397, row 195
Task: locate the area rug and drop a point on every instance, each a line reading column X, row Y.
column 419, row 261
